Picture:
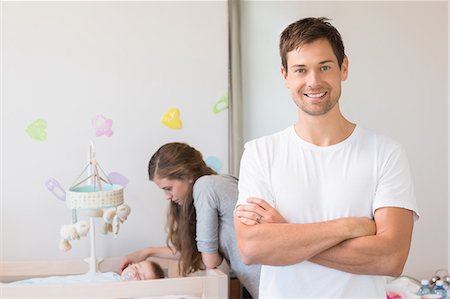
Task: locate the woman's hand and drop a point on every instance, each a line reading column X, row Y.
column 258, row 211
column 140, row 255
column 133, row 258
column 211, row 260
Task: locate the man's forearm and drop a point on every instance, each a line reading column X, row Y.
column 365, row 255
column 286, row 244
column 382, row 254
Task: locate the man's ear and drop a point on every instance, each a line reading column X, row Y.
column 344, row 69
column 283, row 72
column 284, row 75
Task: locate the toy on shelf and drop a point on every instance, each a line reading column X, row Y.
column 96, row 194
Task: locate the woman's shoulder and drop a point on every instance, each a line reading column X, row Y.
column 215, row 180
column 215, row 190
column 217, row 184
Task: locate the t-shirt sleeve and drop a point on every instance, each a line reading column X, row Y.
column 395, row 186
column 253, row 178
column 206, row 208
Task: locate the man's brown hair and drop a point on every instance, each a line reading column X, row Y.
column 306, row 31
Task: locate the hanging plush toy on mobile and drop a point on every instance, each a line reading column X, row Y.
column 102, row 198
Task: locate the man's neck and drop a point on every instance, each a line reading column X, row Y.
column 324, row 130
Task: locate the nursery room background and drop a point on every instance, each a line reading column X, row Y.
column 128, row 76
column 131, row 76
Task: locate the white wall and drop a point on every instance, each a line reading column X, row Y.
column 67, row 62
column 397, row 85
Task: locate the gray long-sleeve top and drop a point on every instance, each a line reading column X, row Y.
column 215, row 197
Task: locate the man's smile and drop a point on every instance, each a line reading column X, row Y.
column 315, row 95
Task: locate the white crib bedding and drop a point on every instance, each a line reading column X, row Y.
column 171, row 289
column 203, row 284
column 71, row 279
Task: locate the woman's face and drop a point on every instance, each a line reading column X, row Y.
column 175, row 190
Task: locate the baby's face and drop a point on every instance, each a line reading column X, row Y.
column 139, row 271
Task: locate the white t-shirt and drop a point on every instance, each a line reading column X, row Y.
column 308, row 183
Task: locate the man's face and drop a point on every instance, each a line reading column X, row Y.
column 314, row 77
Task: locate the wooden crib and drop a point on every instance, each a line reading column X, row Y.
column 202, row 284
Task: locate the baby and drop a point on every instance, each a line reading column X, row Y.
column 140, row 271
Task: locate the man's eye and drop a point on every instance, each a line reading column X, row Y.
column 299, row 70
column 324, row 68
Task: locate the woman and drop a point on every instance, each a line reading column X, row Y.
column 200, row 216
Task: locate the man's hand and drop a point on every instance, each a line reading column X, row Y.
column 258, row 211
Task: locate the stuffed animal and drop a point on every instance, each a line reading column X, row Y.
column 72, row 232
column 113, row 217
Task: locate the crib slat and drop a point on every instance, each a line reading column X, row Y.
column 202, row 284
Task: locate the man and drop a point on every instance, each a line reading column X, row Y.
column 326, row 206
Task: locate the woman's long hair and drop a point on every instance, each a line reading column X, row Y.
column 179, row 161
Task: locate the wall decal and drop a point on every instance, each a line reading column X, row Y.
column 118, row 179
column 55, row 188
column 214, row 163
column 221, row 104
column 171, row 119
column 102, row 126
column 36, row 130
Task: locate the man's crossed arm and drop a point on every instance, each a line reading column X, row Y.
column 355, row 245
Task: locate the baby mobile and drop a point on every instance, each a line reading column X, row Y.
column 102, row 199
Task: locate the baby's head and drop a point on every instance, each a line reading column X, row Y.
column 142, row 271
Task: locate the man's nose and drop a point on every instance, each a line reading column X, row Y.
column 313, row 78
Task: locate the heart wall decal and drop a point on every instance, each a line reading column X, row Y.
column 37, row 130
column 171, row 119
